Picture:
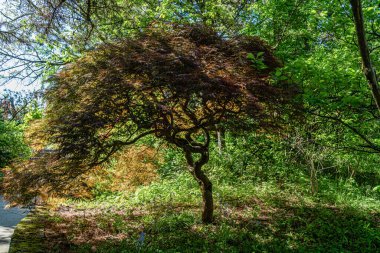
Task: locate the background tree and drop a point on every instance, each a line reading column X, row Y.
column 14, row 107
column 319, row 48
column 11, row 142
column 38, row 37
column 368, row 69
column 17, row 109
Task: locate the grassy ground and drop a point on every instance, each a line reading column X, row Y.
column 249, row 217
column 265, row 198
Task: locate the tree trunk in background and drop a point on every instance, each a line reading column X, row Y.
column 313, row 178
column 221, row 135
column 368, row 69
column 205, row 184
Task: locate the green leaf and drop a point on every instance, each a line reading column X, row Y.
column 250, row 56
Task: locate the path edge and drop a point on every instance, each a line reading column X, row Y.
column 28, row 236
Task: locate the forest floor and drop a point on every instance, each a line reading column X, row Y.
column 165, row 217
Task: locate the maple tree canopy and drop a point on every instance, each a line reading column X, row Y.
column 176, row 84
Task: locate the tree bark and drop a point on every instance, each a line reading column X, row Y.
column 204, row 182
column 208, row 202
column 368, row 69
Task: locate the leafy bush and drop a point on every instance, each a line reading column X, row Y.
column 11, row 142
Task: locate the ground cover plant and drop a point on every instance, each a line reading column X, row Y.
column 271, row 209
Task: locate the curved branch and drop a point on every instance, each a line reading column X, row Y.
column 370, row 144
column 115, row 146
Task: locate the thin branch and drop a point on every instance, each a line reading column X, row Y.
column 370, row 144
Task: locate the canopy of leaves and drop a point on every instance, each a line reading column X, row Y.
column 175, row 83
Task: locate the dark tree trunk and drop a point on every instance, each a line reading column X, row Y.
column 204, row 182
column 368, row 69
column 208, row 202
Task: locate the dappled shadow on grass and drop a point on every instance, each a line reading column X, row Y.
column 367, row 178
column 325, row 229
column 250, row 226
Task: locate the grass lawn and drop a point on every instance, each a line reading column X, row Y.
column 249, row 217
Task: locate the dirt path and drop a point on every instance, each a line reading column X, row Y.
column 8, row 221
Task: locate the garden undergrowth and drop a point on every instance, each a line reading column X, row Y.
column 264, row 207
column 165, row 217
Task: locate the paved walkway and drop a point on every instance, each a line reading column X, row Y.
column 8, row 221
